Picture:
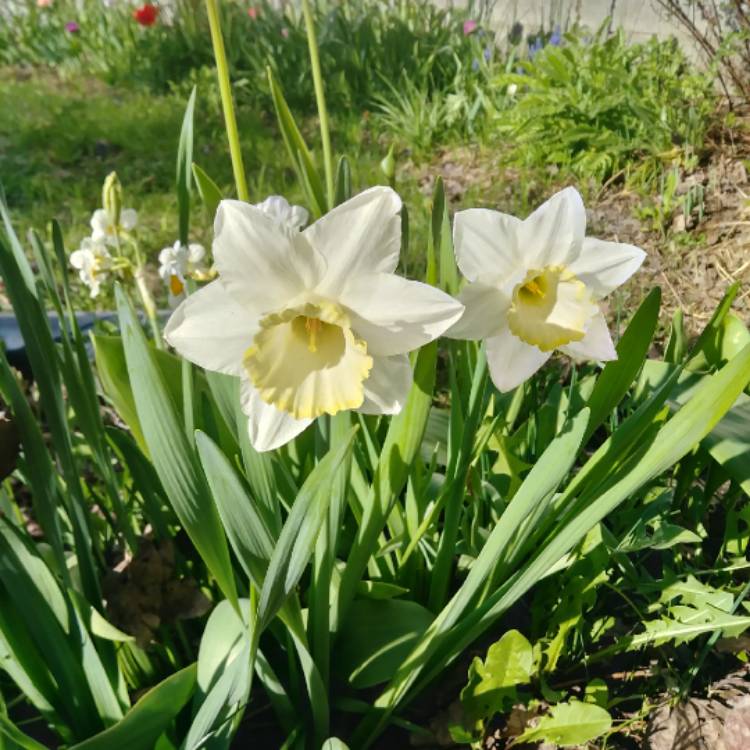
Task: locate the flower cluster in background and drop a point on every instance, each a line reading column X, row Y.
column 105, row 251
column 177, row 264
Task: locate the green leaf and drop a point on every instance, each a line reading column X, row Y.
column 19, row 256
column 492, row 682
column 729, row 443
column 113, row 375
column 15, row 735
column 703, row 352
column 112, row 369
column 442, row 240
column 569, row 724
column 632, row 349
column 379, row 590
column 95, row 623
column 534, row 493
column 248, row 534
column 184, row 161
column 51, row 627
column 343, row 182
column 307, row 174
column 393, row 627
column 209, row 192
column 299, row 533
column 509, row 662
column 44, row 359
column 41, row 471
column 142, row 725
column 401, row 447
column 677, row 343
column 173, row 457
column 225, row 669
column 597, row 692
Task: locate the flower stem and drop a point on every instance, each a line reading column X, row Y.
column 320, row 97
column 148, row 304
column 225, row 89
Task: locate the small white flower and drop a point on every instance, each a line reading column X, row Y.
column 104, row 228
column 176, row 264
column 93, row 263
column 312, row 322
column 279, row 209
column 534, row 285
column 512, row 89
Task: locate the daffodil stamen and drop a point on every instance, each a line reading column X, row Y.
column 313, row 326
column 535, row 287
column 550, row 308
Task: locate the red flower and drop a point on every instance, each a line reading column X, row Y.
column 146, row 15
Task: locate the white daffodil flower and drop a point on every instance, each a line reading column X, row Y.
column 176, row 264
column 104, row 227
column 534, row 286
column 282, row 212
column 93, row 263
column 312, row 322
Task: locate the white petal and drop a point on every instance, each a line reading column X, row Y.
column 394, row 315
column 166, row 256
column 81, row 259
column 196, row 253
column 99, row 223
column 298, row 217
column 360, row 236
column 128, row 219
column 511, row 361
column 486, row 244
column 603, row 266
column 387, row 388
column 484, row 315
column 211, row 330
column 596, row 344
column 261, row 264
column 268, row 427
column 553, row 234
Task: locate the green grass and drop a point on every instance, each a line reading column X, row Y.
column 59, row 138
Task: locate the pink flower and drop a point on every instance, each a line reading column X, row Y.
column 253, row 12
column 470, row 26
column 72, row 27
column 285, row 32
column 43, row 3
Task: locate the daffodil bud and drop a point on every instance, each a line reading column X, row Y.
column 112, row 198
column 388, row 166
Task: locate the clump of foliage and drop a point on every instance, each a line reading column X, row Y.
column 363, row 46
column 600, row 107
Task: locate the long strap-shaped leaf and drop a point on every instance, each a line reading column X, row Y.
column 300, row 531
column 401, row 446
column 174, row 458
column 145, row 722
column 44, row 358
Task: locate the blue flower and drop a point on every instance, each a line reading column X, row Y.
column 556, row 39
